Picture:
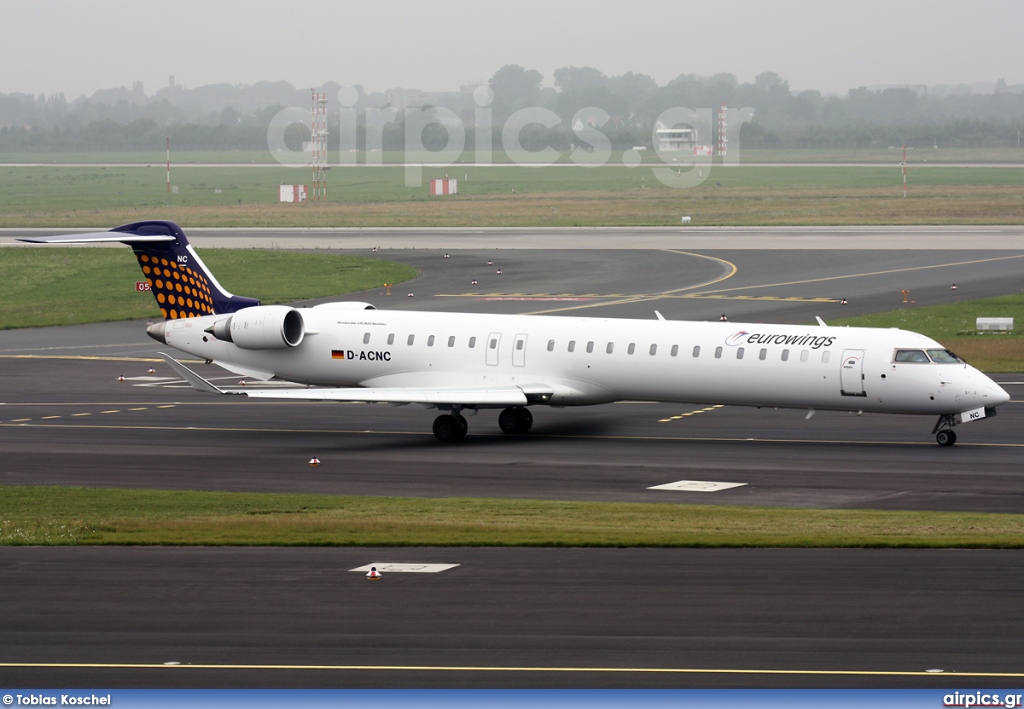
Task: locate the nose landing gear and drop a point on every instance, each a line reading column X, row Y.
column 946, row 437
column 944, row 434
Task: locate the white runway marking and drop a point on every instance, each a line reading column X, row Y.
column 385, row 568
column 696, row 486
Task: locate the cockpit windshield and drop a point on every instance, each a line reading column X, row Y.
column 927, row 356
column 944, row 357
column 911, row 356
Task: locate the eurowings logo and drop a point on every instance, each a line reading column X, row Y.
column 761, row 338
column 736, row 339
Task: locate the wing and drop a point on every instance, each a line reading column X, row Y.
column 432, row 396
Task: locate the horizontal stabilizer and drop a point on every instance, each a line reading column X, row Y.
column 98, row 237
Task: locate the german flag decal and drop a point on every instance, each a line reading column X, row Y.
column 337, row 354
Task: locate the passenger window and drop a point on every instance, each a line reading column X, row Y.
column 632, row 348
column 472, row 343
column 391, row 339
column 430, row 341
column 763, row 354
column 739, row 353
column 785, row 355
column 696, row 350
column 451, row 340
column 675, row 351
column 494, row 343
column 803, row 355
column 718, row 353
column 412, row 338
column 551, row 345
column 825, row 357
column 610, row 347
column 572, row 345
column 911, row 356
column 366, row 339
column 654, row 350
column 590, row 347
column 519, row 345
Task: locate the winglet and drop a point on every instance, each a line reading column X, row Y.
column 197, row 382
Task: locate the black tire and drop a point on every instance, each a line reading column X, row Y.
column 446, row 428
column 509, row 420
column 527, row 419
column 945, row 438
column 463, row 427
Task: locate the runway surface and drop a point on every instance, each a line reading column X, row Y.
column 98, row 617
column 65, row 419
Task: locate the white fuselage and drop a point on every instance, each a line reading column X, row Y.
column 585, row 361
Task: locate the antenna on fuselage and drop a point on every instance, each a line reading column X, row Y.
column 660, row 316
column 820, row 321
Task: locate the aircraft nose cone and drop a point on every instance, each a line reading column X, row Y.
column 157, row 331
column 997, row 395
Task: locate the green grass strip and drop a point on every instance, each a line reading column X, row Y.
column 51, row 285
column 96, row 516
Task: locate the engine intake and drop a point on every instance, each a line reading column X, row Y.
column 264, row 327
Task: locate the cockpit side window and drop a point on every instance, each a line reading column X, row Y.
column 944, row 357
column 911, row 356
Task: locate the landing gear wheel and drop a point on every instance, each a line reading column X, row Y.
column 463, row 426
column 527, row 418
column 450, row 428
column 945, row 437
column 515, row 420
column 508, row 420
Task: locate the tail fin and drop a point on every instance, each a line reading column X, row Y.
column 180, row 281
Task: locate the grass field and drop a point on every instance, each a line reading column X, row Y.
column 68, row 516
column 513, row 196
column 70, row 286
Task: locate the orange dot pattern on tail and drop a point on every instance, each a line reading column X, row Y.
column 181, row 291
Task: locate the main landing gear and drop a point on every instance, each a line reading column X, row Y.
column 515, row 420
column 944, row 434
column 450, row 427
column 453, row 427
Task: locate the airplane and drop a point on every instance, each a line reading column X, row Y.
column 465, row 362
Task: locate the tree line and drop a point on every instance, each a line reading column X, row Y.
column 221, row 117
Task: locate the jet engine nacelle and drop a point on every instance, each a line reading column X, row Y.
column 263, row 327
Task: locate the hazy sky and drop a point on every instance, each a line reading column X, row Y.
column 78, row 46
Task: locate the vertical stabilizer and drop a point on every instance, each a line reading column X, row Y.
column 181, row 283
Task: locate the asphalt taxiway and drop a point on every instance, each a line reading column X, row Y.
column 522, row 617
